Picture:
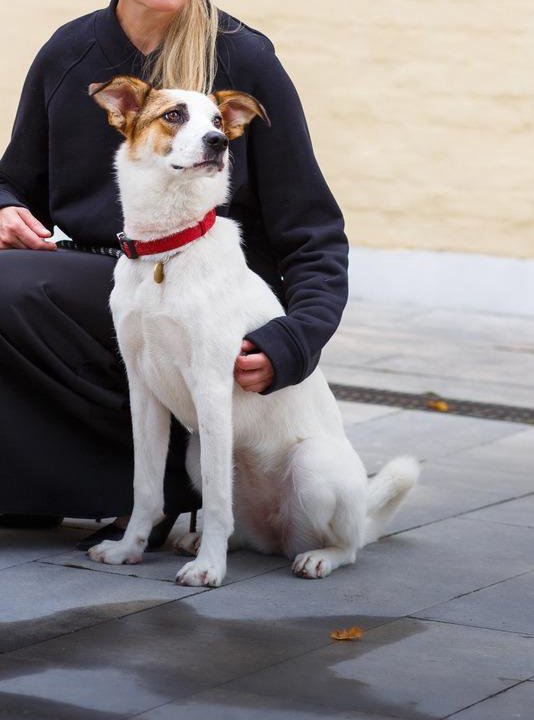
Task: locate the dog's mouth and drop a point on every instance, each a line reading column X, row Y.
column 215, row 164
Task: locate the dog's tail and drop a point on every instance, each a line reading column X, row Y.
column 385, row 493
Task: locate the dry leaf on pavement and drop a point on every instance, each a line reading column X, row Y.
column 353, row 633
column 439, row 405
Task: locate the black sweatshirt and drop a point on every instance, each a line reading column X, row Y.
column 59, row 165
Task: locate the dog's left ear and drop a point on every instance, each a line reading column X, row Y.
column 238, row 110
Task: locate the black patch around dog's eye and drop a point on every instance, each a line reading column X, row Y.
column 177, row 115
column 218, row 121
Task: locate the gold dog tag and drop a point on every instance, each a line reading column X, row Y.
column 159, row 274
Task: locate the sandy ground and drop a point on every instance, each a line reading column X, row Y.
column 421, row 112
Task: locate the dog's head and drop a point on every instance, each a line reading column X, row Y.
column 183, row 132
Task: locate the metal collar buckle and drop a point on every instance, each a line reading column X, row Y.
column 127, row 246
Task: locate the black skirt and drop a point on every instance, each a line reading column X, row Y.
column 65, row 431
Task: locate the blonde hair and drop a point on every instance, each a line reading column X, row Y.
column 187, row 57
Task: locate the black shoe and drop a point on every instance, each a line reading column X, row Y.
column 158, row 535
column 30, row 522
column 108, row 532
column 160, row 532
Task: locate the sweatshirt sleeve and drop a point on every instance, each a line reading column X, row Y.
column 24, row 165
column 304, row 225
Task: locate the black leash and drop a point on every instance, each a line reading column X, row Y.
column 95, row 249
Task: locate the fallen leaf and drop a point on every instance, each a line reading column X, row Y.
column 353, row 633
column 439, row 405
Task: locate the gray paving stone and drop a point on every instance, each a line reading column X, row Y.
column 378, row 316
column 448, row 357
column 353, row 412
column 463, row 355
column 163, row 565
column 396, row 576
column 474, row 364
column 230, row 705
column 182, row 656
column 478, row 327
column 508, row 605
column 509, row 454
column 261, row 614
column 63, row 691
column 20, row 707
column 23, row 633
column 19, row 546
column 409, row 668
column 470, row 327
column 514, row 704
column 41, row 600
column 352, row 349
column 446, row 490
column 513, row 512
column 426, row 435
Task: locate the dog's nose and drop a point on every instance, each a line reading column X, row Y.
column 216, row 141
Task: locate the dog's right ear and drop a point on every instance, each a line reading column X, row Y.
column 122, row 98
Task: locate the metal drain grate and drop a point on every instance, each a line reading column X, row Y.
column 428, row 402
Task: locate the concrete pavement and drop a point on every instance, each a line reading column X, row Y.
column 445, row 600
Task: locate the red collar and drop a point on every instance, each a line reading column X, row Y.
column 135, row 248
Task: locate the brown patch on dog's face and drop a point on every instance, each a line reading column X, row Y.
column 238, row 109
column 137, row 111
column 161, row 118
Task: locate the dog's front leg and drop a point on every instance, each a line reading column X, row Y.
column 213, row 403
column 151, row 428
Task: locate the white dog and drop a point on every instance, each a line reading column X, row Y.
column 298, row 486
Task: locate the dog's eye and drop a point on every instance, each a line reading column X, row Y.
column 217, row 121
column 174, row 116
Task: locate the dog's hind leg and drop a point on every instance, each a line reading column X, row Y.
column 326, row 508
column 189, row 543
column 151, row 429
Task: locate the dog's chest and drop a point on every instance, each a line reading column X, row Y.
column 155, row 338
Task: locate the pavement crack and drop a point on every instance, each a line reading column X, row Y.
column 461, row 515
column 478, row 627
column 470, row 592
column 489, row 697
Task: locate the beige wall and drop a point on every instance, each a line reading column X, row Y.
column 422, row 111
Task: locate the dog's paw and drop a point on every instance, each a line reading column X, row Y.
column 312, row 565
column 198, row 573
column 114, row 552
column 188, row 544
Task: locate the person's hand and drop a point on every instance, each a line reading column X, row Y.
column 19, row 229
column 253, row 372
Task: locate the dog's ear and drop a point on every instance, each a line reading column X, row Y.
column 238, row 109
column 122, row 98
